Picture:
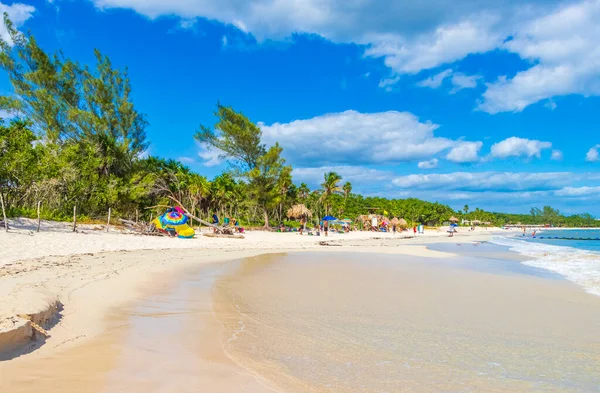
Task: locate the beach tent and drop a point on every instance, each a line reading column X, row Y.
column 174, row 220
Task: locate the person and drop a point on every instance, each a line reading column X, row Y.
column 325, row 227
column 215, row 221
column 302, row 225
column 524, row 231
column 394, row 228
column 415, row 230
column 534, row 232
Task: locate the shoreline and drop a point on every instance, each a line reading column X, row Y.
column 95, row 287
column 51, row 290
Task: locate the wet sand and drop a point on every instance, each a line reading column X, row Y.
column 336, row 322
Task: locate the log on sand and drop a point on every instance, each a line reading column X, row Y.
column 221, row 235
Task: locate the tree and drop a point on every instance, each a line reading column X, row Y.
column 330, row 186
column 347, row 189
column 235, row 136
column 264, row 179
column 466, row 209
column 303, row 191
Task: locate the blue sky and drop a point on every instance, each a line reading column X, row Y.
column 495, row 105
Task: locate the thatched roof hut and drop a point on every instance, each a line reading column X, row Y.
column 402, row 222
column 298, row 211
column 395, row 221
column 453, row 219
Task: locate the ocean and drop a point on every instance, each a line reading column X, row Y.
column 374, row 323
column 576, row 260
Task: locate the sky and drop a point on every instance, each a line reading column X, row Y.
column 492, row 105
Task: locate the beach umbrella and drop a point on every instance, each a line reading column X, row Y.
column 453, row 219
column 347, row 221
column 395, row 221
column 173, row 218
column 329, row 218
column 402, row 222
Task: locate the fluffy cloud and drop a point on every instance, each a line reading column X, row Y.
column 519, row 147
column 465, row 152
column 462, row 81
column 210, row 156
column 351, row 137
column 436, row 80
column 430, row 164
column 557, row 155
column 563, row 45
column 584, row 191
column 18, row 14
column 459, row 80
column 491, row 181
column 558, row 38
column 592, row 154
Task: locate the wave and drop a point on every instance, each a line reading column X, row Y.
column 579, row 266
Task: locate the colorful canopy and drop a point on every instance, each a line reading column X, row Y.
column 329, row 218
column 173, row 218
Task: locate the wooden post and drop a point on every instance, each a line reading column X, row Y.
column 136, row 216
column 108, row 222
column 38, row 211
column 74, row 218
column 150, row 216
column 3, row 212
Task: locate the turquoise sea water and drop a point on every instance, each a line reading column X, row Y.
column 576, row 260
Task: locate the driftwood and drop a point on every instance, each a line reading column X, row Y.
column 328, row 243
column 219, row 229
column 220, row 235
column 142, row 228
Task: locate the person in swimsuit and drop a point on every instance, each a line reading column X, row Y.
column 326, row 227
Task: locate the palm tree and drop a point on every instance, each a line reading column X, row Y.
column 303, row 191
column 466, row 209
column 347, row 189
column 330, row 186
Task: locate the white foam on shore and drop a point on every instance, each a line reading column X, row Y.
column 579, row 266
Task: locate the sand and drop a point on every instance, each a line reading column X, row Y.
column 67, row 283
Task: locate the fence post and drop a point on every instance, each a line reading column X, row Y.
column 3, row 212
column 75, row 218
column 108, row 222
column 136, row 216
column 38, row 212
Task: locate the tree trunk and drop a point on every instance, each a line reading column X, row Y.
column 74, row 218
column 108, row 222
column 3, row 212
column 266, row 218
column 38, row 214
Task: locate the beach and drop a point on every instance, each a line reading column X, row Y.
column 129, row 308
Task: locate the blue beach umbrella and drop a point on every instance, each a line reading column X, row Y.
column 173, row 218
column 329, row 218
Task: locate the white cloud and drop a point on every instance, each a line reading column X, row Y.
column 446, row 44
column 186, row 160
column 465, row 152
column 462, row 81
column 351, row 137
column 592, row 154
column 558, row 38
column 584, row 191
column 210, row 156
column 430, row 164
column 436, row 80
column 557, row 155
column 550, row 105
column 388, row 82
column 519, row 147
column 563, row 45
column 224, row 41
column 18, row 14
column 490, row 181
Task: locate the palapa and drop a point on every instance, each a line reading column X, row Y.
column 298, row 211
column 453, row 219
column 402, row 222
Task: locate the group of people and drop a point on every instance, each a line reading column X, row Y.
column 228, row 221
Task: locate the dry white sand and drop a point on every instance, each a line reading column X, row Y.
column 86, row 273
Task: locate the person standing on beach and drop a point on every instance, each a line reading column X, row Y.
column 325, row 227
column 215, row 221
column 394, row 228
column 302, row 224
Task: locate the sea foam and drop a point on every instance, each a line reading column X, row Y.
column 579, row 266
